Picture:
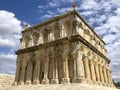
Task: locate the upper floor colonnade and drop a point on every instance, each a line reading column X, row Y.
column 59, row 30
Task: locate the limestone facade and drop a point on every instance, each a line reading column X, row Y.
column 64, row 49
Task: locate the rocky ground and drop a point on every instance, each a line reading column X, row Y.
column 58, row 87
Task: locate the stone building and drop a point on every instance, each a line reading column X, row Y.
column 64, row 49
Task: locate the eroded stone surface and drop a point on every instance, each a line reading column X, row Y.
column 6, row 80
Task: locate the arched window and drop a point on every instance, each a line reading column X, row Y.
column 68, row 29
column 27, row 41
column 35, row 38
column 50, row 33
column 45, row 35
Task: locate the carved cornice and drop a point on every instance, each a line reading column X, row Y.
column 41, row 46
column 61, row 42
column 86, row 43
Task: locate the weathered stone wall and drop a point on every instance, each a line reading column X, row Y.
column 6, row 80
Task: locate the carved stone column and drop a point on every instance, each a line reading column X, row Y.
column 22, row 75
column 78, row 67
column 101, row 74
column 65, row 78
column 108, row 76
column 45, row 78
column 105, row 76
column 54, row 72
column 87, row 69
column 29, row 73
column 65, row 57
column 17, row 75
column 74, row 71
column 92, row 69
column 97, row 72
column 36, row 73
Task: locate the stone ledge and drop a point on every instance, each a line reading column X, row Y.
column 59, row 87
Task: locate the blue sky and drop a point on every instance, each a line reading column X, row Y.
column 102, row 15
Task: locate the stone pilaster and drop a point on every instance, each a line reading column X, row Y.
column 92, row 69
column 65, row 57
column 74, row 71
column 105, row 76
column 110, row 78
column 65, row 78
column 55, row 72
column 97, row 72
column 45, row 78
column 87, row 69
column 101, row 74
column 36, row 73
column 17, row 75
column 29, row 73
column 22, row 74
column 78, row 67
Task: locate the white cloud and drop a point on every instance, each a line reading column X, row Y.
column 62, row 10
column 91, row 4
column 7, row 63
column 52, row 4
column 10, row 28
column 40, row 6
column 109, row 38
column 86, row 13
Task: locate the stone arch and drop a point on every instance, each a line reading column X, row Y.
column 68, row 28
column 50, row 67
column 35, row 37
column 27, row 41
column 30, row 68
column 50, row 33
column 45, row 35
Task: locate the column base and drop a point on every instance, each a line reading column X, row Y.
column 94, row 82
column 14, row 84
column 88, row 81
column 78, row 80
column 54, row 81
column 65, row 80
column 97, row 83
column 36, row 82
column 45, row 81
column 21, row 83
column 28, row 83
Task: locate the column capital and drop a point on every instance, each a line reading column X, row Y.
column 91, row 62
column 24, row 64
column 85, row 58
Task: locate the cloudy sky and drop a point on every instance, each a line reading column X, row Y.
column 102, row 15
